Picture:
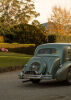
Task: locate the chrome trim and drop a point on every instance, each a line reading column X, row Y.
column 28, row 76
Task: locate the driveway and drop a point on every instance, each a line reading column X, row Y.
column 12, row 88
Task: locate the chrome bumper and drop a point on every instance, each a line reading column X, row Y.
column 29, row 76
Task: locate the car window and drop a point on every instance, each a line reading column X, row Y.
column 67, row 54
column 47, row 51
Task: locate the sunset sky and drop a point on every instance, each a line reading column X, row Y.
column 44, row 7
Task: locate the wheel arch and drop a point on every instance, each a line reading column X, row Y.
column 62, row 72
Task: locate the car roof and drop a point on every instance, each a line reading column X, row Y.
column 56, row 45
column 62, row 44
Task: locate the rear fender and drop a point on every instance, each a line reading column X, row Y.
column 61, row 74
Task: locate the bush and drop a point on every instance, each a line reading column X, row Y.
column 59, row 38
column 25, row 33
column 1, row 39
column 51, row 38
column 63, row 38
column 15, row 45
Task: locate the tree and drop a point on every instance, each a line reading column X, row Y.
column 61, row 18
column 36, row 23
column 25, row 33
column 17, row 11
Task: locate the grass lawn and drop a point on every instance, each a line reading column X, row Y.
column 13, row 59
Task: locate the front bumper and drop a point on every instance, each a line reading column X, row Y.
column 29, row 76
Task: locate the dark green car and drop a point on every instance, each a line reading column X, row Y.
column 50, row 61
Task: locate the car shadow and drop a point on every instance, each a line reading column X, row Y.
column 44, row 84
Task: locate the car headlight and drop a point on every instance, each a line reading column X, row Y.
column 35, row 66
column 24, row 67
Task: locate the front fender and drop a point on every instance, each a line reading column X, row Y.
column 38, row 60
column 61, row 74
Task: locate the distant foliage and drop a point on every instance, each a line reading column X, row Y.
column 61, row 19
column 22, row 33
column 63, row 38
column 1, row 39
column 58, row 38
column 25, row 33
column 51, row 38
column 36, row 23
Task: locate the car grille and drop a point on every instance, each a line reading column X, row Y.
column 30, row 72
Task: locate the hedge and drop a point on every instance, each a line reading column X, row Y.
column 59, row 38
column 19, row 48
column 15, row 45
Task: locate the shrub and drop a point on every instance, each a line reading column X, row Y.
column 51, row 38
column 59, row 38
column 1, row 39
column 15, row 45
column 63, row 38
column 25, row 33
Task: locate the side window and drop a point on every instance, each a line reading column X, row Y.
column 67, row 54
column 47, row 51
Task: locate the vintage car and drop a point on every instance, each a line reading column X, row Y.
column 50, row 61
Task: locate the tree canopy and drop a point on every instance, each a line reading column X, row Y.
column 61, row 18
column 24, row 33
column 17, row 11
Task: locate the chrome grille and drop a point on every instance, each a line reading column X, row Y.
column 30, row 72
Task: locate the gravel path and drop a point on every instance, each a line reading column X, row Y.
column 12, row 88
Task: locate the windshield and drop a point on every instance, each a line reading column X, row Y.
column 47, row 51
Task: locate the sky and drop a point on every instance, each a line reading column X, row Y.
column 44, row 7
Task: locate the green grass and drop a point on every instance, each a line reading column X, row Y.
column 13, row 59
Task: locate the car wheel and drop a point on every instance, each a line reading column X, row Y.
column 69, row 76
column 35, row 81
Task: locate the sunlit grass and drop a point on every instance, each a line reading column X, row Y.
column 14, row 45
column 13, row 59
